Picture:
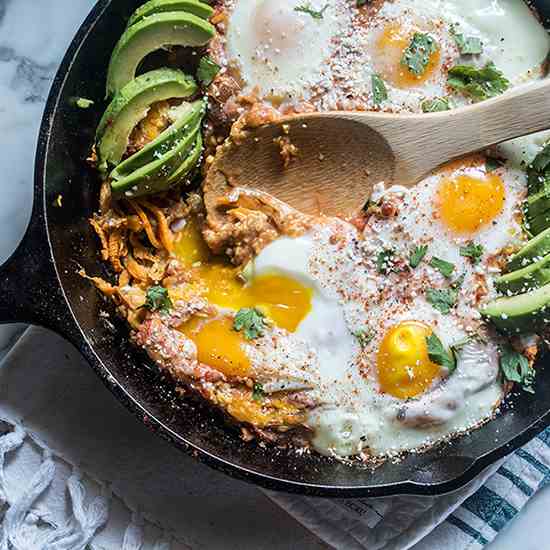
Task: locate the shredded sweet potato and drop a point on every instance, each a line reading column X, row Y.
column 136, row 270
column 165, row 235
column 146, row 224
column 102, row 237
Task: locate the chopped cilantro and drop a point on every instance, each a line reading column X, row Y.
column 445, row 268
column 436, row 104
column 258, row 392
column 458, row 282
column 384, row 260
column 364, row 338
column 361, row 3
column 251, row 321
column 478, row 83
column 379, row 90
column 306, row 8
column 417, row 255
column 442, row 299
column 158, row 299
column 515, row 368
column 207, row 70
column 467, row 45
column 417, row 54
column 439, row 355
column 472, row 251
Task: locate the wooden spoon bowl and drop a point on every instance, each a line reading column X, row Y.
column 340, row 156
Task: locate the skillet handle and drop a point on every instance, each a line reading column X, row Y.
column 29, row 287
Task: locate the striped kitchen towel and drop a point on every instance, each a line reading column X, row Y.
column 464, row 520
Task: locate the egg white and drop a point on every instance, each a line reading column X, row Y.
column 280, row 51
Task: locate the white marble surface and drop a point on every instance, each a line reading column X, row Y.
column 33, row 37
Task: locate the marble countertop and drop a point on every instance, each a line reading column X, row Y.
column 33, row 37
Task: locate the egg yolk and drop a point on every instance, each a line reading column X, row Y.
column 282, row 299
column 469, row 201
column 390, row 48
column 218, row 345
column 404, row 367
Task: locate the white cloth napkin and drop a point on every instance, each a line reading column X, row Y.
column 77, row 471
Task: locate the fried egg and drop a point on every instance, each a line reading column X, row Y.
column 277, row 282
column 465, row 202
column 281, row 46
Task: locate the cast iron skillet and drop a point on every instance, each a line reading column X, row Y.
column 39, row 284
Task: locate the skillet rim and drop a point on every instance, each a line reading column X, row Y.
column 72, row 330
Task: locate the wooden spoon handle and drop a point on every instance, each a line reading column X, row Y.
column 421, row 143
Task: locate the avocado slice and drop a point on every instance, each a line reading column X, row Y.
column 200, row 9
column 131, row 105
column 534, row 275
column 533, row 251
column 153, row 177
column 538, row 171
column 150, row 34
column 188, row 164
column 521, row 313
column 539, row 223
column 188, row 117
column 538, row 203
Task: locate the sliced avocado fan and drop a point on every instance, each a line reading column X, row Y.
column 154, row 177
column 131, row 105
column 200, row 9
column 186, row 119
column 150, row 34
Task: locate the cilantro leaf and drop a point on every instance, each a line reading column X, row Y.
column 445, row 268
column 361, row 3
column 515, row 368
column 364, row 338
column 442, row 299
column 306, row 8
column 467, row 45
column 379, row 90
column 251, row 321
column 207, row 70
column 384, row 260
column 258, row 392
column 477, row 83
column 416, row 56
column 472, row 251
column 158, row 299
column 439, row 355
column 436, row 104
column 417, row 255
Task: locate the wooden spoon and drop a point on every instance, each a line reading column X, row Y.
column 342, row 155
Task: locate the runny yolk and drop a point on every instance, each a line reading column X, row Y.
column 390, row 48
column 403, row 365
column 218, row 345
column 282, row 299
column 469, row 201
